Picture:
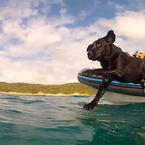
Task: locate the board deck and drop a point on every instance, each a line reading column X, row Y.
column 94, row 81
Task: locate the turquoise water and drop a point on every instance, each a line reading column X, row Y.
column 49, row 120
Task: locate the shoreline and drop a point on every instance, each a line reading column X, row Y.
column 43, row 94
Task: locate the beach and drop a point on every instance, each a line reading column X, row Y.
column 46, row 94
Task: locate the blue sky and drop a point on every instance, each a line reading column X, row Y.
column 45, row 41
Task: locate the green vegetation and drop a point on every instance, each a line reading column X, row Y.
column 69, row 88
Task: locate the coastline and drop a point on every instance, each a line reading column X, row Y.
column 70, row 89
column 41, row 93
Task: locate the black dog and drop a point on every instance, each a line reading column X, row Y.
column 116, row 65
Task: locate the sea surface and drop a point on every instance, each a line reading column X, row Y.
column 60, row 120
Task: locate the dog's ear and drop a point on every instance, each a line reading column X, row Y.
column 110, row 37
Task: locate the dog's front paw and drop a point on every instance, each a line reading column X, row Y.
column 90, row 106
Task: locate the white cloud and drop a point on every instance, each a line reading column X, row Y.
column 40, row 35
column 16, row 9
column 130, row 24
column 34, row 38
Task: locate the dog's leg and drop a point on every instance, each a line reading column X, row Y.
column 93, row 71
column 100, row 72
column 99, row 94
column 110, row 72
column 142, row 84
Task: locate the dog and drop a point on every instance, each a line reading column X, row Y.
column 116, row 65
column 139, row 54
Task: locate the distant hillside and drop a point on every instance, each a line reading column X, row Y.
column 70, row 88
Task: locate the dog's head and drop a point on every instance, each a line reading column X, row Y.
column 101, row 47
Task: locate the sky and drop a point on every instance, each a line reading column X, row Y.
column 45, row 41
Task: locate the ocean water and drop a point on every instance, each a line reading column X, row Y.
column 50, row 120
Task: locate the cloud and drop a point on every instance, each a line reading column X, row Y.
column 129, row 26
column 37, row 39
column 16, row 9
column 35, row 36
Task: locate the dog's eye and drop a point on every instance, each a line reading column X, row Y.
column 98, row 44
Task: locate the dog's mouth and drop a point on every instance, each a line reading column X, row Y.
column 91, row 56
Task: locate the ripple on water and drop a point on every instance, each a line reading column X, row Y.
column 40, row 120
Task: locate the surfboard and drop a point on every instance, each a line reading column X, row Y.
column 130, row 90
